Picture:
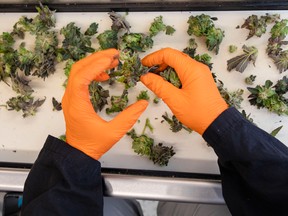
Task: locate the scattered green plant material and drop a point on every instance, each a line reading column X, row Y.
column 144, row 145
column 275, row 45
column 175, row 124
column 257, row 25
column 21, row 85
column 118, row 103
column 63, row 137
column 191, row 51
column 24, row 103
column 250, row 79
column 265, row 96
column 42, row 22
column 281, row 86
column 156, row 100
column 203, row 25
column 98, row 96
column 232, row 48
column 276, row 131
column 143, row 95
column 158, row 25
column 240, row 62
column 148, row 125
column 56, row 105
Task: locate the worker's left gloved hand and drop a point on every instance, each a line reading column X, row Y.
column 85, row 130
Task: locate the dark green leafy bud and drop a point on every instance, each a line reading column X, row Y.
column 157, row 26
column 108, row 39
column 161, row 154
column 98, row 96
column 118, row 103
column 136, row 41
column 24, row 103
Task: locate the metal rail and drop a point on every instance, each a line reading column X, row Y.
column 135, row 186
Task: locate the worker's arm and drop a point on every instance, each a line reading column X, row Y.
column 253, row 164
column 66, row 177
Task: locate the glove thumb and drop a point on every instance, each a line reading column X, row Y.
column 159, row 86
column 127, row 118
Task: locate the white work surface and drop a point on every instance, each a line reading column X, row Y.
column 22, row 138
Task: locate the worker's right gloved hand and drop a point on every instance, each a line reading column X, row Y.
column 198, row 103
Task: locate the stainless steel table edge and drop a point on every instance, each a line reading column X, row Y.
column 135, row 186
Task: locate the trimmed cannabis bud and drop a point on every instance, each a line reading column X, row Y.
column 170, row 75
column 130, row 71
column 25, row 103
column 257, row 26
column 98, row 96
column 274, row 49
column 118, row 103
column 175, row 124
column 44, row 21
column 8, row 57
column 241, row 62
column 161, row 154
column 250, row 80
column 108, row 39
column 75, row 44
column 143, row 95
column 202, row 25
column 144, row 146
column 157, row 26
column 44, row 55
column 266, row 97
column 281, row 86
column 138, row 42
column 141, row 144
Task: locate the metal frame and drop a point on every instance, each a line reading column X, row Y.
column 136, row 186
column 133, row 6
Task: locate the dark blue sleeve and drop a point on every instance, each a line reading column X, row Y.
column 63, row 181
column 253, row 166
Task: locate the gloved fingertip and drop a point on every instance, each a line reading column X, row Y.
column 142, row 103
column 102, row 77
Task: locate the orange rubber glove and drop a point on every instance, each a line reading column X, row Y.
column 198, row 103
column 85, row 130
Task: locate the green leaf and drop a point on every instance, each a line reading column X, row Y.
column 276, row 131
